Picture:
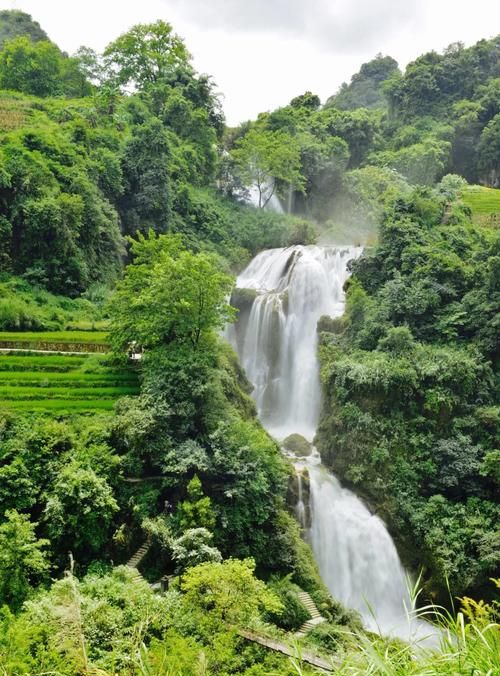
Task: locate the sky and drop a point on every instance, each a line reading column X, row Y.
column 262, row 53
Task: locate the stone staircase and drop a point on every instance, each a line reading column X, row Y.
column 316, row 617
column 138, row 556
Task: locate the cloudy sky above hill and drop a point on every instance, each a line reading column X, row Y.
column 262, row 53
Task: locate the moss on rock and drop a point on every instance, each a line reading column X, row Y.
column 298, row 445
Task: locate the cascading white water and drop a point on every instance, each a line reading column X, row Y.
column 287, row 291
column 356, row 556
column 294, row 286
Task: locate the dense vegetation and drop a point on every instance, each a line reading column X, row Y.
column 386, row 129
column 79, row 173
column 411, row 382
column 123, row 215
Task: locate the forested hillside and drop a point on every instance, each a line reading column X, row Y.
column 410, row 416
column 384, row 129
column 132, row 460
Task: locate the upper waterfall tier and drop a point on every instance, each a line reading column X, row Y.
column 276, row 334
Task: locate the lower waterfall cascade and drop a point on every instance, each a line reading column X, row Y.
column 281, row 295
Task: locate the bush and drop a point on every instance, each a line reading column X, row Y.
column 293, row 614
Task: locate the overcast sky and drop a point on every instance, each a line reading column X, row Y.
column 262, row 53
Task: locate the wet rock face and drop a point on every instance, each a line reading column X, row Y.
column 292, row 496
column 299, row 496
column 298, row 445
column 242, row 299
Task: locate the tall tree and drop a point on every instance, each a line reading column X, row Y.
column 146, row 200
column 264, row 158
column 146, row 55
column 79, row 510
column 365, row 89
column 169, row 295
column 31, row 68
column 489, row 153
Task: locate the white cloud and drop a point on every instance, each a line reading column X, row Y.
column 261, row 53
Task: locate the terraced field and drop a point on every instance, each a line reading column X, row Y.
column 484, row 203
column 64, row 383
column 77, row 341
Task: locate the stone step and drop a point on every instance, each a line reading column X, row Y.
column 137, row 557
column 310, row 624
column 310, row 606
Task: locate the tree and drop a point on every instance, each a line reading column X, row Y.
column 307, row 100
column 80, row 507
column 194, row 547
column 229, row 591
column 31, row 68
column 146, row 200
column 196, row 511
column 420, row 163
column 365, row 88
column 41, row 69
column 23, row 561
column 169, row 295
column 359, row 129
column 489, row 153
column 146, row 55
column 265, row 157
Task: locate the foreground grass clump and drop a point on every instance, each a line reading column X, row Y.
column 467, row 642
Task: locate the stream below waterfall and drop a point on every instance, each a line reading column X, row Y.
column 280, row 296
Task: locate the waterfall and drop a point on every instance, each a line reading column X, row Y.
column 294, row 287
column 281, row 295
column 356, row 556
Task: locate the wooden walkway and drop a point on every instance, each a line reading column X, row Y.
column 285, row 649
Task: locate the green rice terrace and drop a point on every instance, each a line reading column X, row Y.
column 484, row 204
column 55, row 341
column 64, row 372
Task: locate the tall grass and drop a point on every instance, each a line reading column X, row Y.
column 467, row 644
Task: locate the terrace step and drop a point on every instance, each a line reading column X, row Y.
column 9, row 350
